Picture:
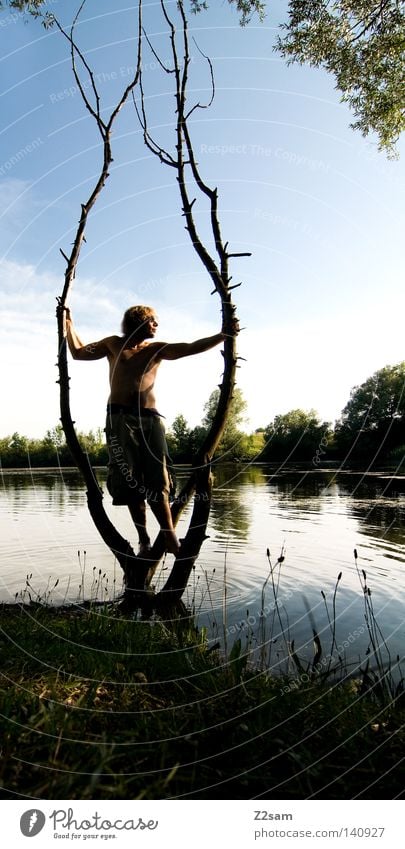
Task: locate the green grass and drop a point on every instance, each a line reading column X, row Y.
column 99, row 705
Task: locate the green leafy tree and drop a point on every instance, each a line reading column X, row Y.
column 33, row 7
column 373, row 420
column 361, row 42
column 229, row 445
column 5, row 452
column 251, row 445
column 197, row 436
column 299, row 435
column 19, row 443
column 20, row 451
column 55, row 437
column 245, row 8
column 93, row 443
column 178, row 439
column 16, row 451
column 181, row 431
column 50, row 450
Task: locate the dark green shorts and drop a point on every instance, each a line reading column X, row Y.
column 138, row 466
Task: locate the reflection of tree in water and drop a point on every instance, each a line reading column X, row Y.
column 239, row 474
column 306, row 488
column 229, row 515
column 378, row 503
column 230, row 511
column 52, row 490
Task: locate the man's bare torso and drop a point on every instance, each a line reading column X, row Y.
column 133, row 367
column 132, row 372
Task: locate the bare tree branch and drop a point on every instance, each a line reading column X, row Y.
column 184, row 161
column 156, row 55
column 163, row 155
column 118, row 545
column 204, row 105
column 74, row 49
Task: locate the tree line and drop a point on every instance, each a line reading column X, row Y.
column 371, row 428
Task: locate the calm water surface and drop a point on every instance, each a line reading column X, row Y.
column 316, row 518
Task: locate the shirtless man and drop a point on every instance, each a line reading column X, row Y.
column 135, row 433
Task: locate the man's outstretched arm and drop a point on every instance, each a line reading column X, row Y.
column 80, row 351
column 176, row 350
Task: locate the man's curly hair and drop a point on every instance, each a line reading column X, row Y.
column 134, row 318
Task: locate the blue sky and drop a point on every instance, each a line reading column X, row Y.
column 321, row 210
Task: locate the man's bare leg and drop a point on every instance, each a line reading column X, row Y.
column 138, row 512
column 161, row 509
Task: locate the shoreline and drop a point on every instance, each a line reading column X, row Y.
column 333, row 466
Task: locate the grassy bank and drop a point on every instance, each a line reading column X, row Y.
column 96, row 704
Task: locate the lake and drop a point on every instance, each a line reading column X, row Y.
column 315, row 519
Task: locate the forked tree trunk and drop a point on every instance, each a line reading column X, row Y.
column 138, row 572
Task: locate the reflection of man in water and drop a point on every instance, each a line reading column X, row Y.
column 135, row 434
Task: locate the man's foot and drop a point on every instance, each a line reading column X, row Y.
column 172, row 543
column 144, row 549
